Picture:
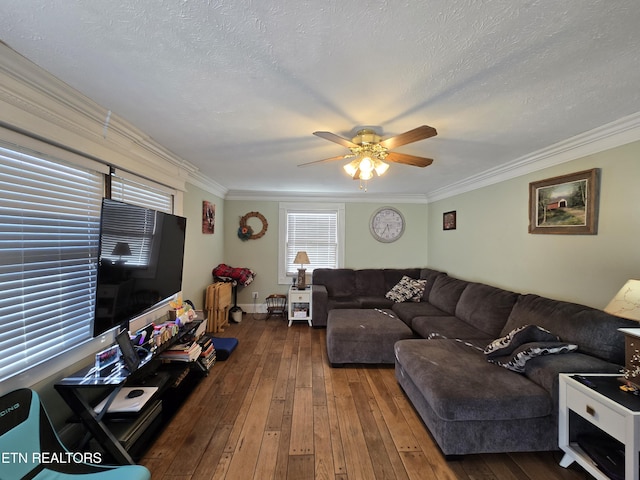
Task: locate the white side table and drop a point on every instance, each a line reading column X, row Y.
column 602, row 407
column 299, row 305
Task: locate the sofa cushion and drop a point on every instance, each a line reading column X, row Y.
column 485, row 307
column 430, row 276
column 460, row 385
column 370, row 282
column 408, row 310
column 518, row 336
column 340, row 282
column 368, row 301
column 406, row 289
column 594, row 331
column 342, row 303
column 449, row 327
column 517, row 359
column 446, row 292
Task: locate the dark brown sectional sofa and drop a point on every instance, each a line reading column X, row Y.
column 469, row 404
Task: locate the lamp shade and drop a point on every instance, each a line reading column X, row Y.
column 626, row 303
column 121, row 248
column 302, row 258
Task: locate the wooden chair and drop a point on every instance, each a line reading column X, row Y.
column 276, row 305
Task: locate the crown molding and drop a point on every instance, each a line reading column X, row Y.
column 268, row 196
column 620, row 132
column 35, row 103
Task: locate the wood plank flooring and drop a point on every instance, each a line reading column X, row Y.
column 276, row 409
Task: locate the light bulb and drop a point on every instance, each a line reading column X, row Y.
column 366, row 165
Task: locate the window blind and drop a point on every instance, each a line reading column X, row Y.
column 138, row 193
column 49, row 222
column 315, row 232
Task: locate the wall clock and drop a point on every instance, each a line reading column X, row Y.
column 387, row 224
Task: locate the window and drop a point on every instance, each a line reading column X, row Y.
column 49, row 222
column 130, row 189
column 317, row 229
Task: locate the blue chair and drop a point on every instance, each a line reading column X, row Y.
column 31, row 449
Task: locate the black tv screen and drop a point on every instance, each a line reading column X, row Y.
column 139, row 264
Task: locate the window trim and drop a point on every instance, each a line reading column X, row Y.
column 284, row 209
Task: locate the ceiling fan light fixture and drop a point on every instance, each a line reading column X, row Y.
column 381, row 167
column 352, row 167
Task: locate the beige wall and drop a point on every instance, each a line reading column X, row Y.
column 202, row 251
column 361, row 250
column 491, row 243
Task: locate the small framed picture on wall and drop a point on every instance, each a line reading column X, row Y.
column 208, row 217
column 449, row 220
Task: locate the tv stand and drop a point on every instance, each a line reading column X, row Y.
column 124, row 435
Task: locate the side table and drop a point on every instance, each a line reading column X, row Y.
column 299, row 304
column 598, row 399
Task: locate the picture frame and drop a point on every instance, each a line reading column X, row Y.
column 565, row 205
column 449, row 220
column 208, row 217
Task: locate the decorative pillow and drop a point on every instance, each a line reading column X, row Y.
column 421, row 285
column 406, row 289
column 519, row 336
column 517, row 360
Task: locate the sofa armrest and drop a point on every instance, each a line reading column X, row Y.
column 319, row 301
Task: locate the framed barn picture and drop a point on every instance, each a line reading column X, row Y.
column 565, row 205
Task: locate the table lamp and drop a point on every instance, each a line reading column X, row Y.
column 626, row 304
column 302, row 258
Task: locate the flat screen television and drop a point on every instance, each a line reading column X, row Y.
column 140, row 262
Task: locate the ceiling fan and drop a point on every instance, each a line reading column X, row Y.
column 369, row 153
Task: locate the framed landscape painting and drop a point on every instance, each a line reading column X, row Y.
column 565, row 205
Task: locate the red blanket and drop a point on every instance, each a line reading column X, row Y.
column 243, row 276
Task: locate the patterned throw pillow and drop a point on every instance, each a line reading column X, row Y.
column 521, row 355
column 407, row 289
column 516, row 337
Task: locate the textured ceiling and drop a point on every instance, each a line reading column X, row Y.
column 237, row 87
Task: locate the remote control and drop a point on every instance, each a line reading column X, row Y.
column 585, row 381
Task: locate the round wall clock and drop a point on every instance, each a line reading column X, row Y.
column 387, row 224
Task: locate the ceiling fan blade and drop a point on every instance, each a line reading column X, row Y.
column 332, row 137
column 340, row 157
column 408, row 159
column 419, row 133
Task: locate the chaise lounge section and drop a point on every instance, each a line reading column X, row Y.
column 471, row 400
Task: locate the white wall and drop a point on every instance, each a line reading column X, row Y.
column 491, row 243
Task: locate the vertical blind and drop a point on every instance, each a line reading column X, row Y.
column 315, row 232
column 49, row 222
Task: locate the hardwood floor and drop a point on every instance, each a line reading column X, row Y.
column 276, row 409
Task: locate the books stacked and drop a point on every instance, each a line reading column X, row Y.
column 182, row 352
column 208, row 352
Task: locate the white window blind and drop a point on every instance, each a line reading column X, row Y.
column 49, row 222
column 129, row 190
column 315, row 229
